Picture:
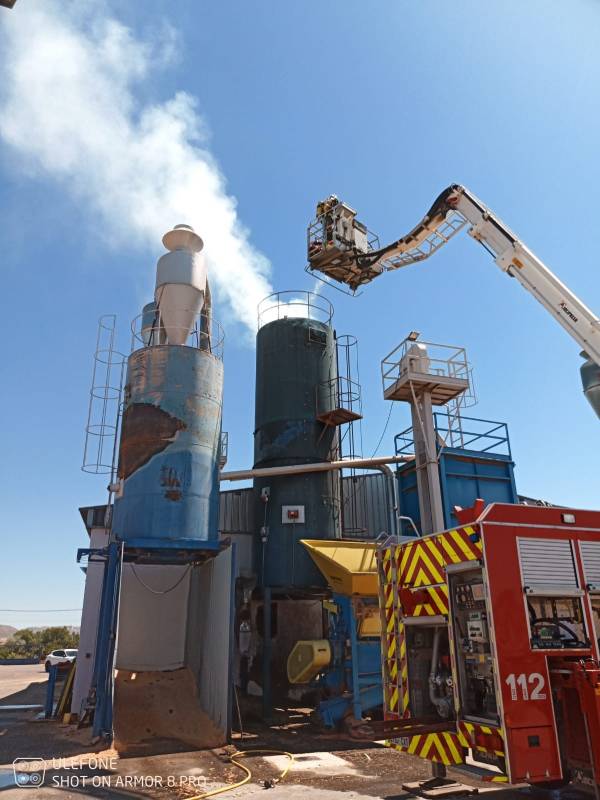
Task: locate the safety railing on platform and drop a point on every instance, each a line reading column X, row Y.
column 415, row 356
column 203, row 333
column 464, row 433
column 294, row 303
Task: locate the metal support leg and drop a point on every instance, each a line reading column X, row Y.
column 266, row 665
column 438, row 770
column 49, row 707
column 352, row 625
column 100, row 699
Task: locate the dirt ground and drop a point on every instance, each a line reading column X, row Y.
column 327, row 766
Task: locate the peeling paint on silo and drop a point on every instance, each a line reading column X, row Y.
column 169, row 451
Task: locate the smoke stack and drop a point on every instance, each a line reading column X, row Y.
column 180, row 282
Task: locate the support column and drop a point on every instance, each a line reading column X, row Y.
column 431, row 508
column 267, row 703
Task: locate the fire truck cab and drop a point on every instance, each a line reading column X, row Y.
column 490, row 643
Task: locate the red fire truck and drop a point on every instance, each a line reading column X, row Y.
column 490, row 643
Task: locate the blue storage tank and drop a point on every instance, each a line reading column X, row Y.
column 170, row 447
column 478, row 464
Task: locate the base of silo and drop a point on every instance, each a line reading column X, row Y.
column 158, row 712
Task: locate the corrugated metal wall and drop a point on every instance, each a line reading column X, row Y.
column 211, row 620
column 365, row 508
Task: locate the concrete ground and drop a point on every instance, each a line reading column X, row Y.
column 326, row 767
column 14, row 680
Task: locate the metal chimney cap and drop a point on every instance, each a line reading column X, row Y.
column 183, row 237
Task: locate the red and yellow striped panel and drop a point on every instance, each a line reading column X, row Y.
column 446, row 748
column 486, row 738
column 476, row 736
column 423, row 562
column 427, row 601
column 390, row 619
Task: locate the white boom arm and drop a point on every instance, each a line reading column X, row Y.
column 342, row 250
column 457, row 207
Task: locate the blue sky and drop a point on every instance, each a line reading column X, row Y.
column 384, row 104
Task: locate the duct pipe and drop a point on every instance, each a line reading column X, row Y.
column 381, row 464
column 320, row 466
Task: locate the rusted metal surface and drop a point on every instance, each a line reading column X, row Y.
column 170, row 449
column 146, row 430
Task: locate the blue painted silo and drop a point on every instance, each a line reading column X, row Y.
column 171, row 429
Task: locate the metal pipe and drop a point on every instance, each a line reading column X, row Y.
column 320, row 466
column 394, row 507
column 381, row 464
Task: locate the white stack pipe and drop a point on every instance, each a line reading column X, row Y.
column 180, row 283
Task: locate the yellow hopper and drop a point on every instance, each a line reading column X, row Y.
column 349, row 567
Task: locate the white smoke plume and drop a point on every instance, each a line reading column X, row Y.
column 69, row 108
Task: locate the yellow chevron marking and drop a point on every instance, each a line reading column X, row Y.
column 405, row 700
column 442, row 606
column 422, row 579
column 391, row 648
column 459, row 541
column 450, row 551
column 500, row 779
column 485, row 729
column 413, row 563
column 390, row 625
column 404, row 673
column 462, row 739
column 414, row 743
column 452, row 747
column 468, row 529
column 434, row 571
column 429, row 740
column 394, row 671
column 394, row 700
column 435, row 551
column 404, row 559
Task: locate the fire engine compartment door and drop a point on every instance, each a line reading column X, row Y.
column 476, row 685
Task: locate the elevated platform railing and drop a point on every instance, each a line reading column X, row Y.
column 416, row 366
column 294, row 303
column 462, row 433
column 338, row 401
column 204, row 333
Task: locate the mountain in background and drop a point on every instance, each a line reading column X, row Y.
column 6, row 631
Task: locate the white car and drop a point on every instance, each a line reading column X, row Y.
column 60, row 657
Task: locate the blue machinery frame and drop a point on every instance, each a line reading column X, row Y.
column 352, row 680
column 481, row 466
column 100, row 700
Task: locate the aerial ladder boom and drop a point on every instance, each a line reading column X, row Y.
column 342, row 249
